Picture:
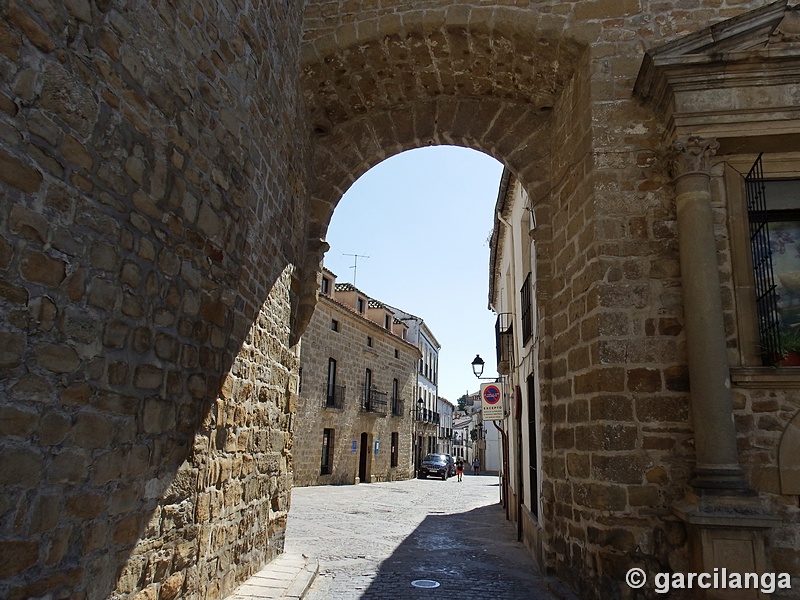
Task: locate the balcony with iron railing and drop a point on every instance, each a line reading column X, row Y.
column 374, row 401
column 429, row 416
column 333, row 397
column 504, row 335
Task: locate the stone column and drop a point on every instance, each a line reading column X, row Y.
column 726, row 521
column 717, row 465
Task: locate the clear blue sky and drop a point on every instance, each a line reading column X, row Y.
column 424, row 218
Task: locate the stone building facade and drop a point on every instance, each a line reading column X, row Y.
column 342, row 434
column 167, row 175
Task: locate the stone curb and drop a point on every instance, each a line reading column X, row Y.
column 287, row 577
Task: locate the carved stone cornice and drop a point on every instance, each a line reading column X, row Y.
column 788, row 31
column 735, row 81
column 692, row 155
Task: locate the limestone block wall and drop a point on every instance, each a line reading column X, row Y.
column 618, row 441
column 153, row 214
column 389, row 358
column 151, row 176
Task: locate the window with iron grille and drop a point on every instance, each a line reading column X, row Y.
column 773, row 210
column 326, row 467
column 526, row 309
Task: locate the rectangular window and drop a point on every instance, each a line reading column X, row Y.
column 330, row 395
column 369, row 341
column 526, row 309
column 387, row 321
column 334, row 325
column 360, row 305
column 773, row 210
column 395, row 451
column 367, row 388
column 326, row 286
column 326, row 467
column 397, row 404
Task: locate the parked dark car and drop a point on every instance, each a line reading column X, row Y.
column 436, row 465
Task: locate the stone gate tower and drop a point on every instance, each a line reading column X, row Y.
column 168, row 171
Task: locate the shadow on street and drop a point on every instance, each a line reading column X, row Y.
column 473, row 554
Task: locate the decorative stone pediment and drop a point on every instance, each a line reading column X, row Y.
column 737, row 81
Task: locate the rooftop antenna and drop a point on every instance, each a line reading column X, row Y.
column 355, row 264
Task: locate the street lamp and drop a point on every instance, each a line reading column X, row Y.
column 477, row 366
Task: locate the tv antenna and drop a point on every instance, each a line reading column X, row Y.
column 355, row 264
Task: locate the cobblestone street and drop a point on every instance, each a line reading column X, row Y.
column 373, row 540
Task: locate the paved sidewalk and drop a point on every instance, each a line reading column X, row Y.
column 287, row 577
column 383, row 540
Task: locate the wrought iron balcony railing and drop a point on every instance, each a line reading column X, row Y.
column 505, row 343
column 374, row 401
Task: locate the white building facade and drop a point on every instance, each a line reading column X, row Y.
column 512, row 295
column 428, row 416
column 445, row 434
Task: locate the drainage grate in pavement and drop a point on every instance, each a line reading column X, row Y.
column 425, row 583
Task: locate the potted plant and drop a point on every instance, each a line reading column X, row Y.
column 790, row 348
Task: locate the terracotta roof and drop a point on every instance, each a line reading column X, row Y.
column 375, row 303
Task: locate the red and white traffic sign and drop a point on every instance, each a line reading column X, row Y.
column 491, row 394
column 491, row 402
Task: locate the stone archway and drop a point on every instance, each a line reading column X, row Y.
column 494, row 89
column 491, row 89
column 167, row 175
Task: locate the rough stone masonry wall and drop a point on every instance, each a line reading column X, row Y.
column 621, row 433
column 151, row 161
column 619, row 418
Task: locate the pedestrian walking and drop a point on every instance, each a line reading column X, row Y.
column 460, row 468
column 476, row 466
